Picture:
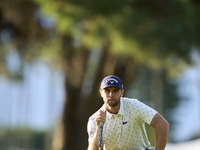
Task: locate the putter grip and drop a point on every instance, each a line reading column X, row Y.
column 100, row 134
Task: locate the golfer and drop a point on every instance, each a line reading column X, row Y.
column 124, row 121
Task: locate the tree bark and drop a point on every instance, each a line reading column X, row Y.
column 127, row 69
column 75, row 67
column 156, row 93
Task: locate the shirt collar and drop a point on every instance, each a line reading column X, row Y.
column 121, row 110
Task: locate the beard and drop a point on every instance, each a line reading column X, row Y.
column 113, row 103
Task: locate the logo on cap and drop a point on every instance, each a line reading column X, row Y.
column 112, row 80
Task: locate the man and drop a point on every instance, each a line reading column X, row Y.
column 124, row 121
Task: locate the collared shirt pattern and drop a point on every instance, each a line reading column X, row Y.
column 125, row 130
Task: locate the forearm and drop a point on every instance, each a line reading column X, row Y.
column 94, row 144
column 161, row 131
column 161, row 134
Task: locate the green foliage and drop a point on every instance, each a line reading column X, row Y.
column 152, row 33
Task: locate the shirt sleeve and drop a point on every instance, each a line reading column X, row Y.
column 146, row 113
column 91, row 128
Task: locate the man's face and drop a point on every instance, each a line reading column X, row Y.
column 111, row 96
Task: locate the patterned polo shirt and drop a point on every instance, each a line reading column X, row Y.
column 125, row 130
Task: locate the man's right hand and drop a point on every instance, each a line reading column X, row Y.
column 101, row 116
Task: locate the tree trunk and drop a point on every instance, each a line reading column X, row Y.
column 156, row 93
column 75, row 66
column 126, row 68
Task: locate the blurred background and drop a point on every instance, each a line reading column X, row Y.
column 54, row 54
